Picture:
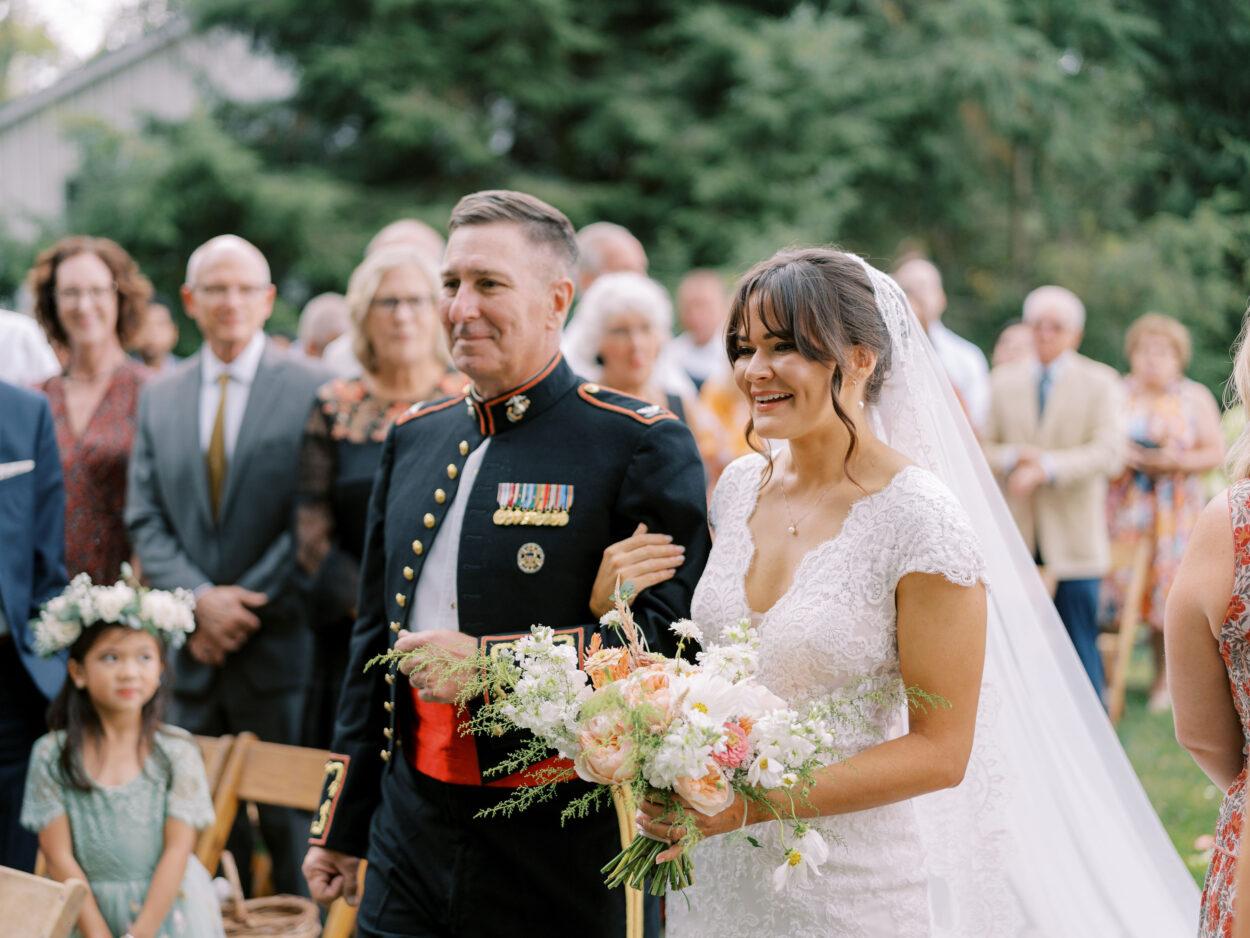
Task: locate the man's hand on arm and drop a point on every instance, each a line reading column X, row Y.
column 224, row 621
column 436, row 687
column 331, row 874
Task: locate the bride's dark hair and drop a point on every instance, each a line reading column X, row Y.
column 822, row 300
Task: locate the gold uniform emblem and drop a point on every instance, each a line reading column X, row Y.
column 530, row 558
column 518, row 404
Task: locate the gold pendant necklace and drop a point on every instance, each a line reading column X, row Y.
column 793, row 528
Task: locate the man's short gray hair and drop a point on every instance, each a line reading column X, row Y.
column 226, row 242
column 543, row 224
column 1053, row 297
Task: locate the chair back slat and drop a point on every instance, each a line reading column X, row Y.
column 285, row 776
column 33, row 907
column 214, row 750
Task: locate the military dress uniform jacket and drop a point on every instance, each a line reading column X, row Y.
column 612, row 461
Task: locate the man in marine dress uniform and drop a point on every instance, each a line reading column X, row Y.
column 491, row 512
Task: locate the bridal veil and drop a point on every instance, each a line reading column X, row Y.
column 1050, row 833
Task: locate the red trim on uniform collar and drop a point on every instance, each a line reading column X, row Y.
column 485, row 410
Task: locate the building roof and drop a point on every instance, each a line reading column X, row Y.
column 100, row 67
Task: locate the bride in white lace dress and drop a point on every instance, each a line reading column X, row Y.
column 860, row 567
column 862, row 547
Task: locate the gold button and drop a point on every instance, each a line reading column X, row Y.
column 394, row 626
column 388, row 706
column 429, row 520
column 408, row 574
column 401, row 599
column 388, row 732
column 418, row 548
column 592, row 389
column 390, row 678
column 464, row 447
column 452, row 471
column 386, row 755
column 440, row 496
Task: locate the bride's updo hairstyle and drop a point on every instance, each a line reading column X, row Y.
column 822, row 301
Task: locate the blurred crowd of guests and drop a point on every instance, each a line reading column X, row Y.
column 243, row 473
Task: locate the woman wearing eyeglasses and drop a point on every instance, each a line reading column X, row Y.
column 392, row 297
column 90, row 299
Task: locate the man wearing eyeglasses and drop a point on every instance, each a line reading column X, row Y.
column 209, row 506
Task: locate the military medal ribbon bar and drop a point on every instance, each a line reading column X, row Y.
column 533, row 504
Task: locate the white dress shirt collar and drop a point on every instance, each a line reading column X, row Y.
column 242, row 369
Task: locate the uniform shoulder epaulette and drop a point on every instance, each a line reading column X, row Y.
column 425, row 408
column 616, row 402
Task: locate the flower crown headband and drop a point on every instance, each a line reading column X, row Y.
column 169, row 616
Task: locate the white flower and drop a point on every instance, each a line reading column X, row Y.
column 53, row 633
column 766, row 771
column 166, row 612
column 806, row 856
column 687, row 631
column 111, row 601
column 612, row 617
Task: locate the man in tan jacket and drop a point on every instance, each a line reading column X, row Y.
column 1054, row 437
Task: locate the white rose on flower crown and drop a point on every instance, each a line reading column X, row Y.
column 111, row 601
column 169, row 616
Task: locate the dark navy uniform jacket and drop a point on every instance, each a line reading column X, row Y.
column 626, row 462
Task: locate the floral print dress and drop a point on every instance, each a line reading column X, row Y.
column 1164, row 508
column 1218, row 892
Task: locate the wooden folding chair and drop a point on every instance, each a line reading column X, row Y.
column 270, row 774
column 1138, row 559
column 34, row 907
column 214, row 750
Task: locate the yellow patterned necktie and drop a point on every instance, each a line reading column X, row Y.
column 217, row 449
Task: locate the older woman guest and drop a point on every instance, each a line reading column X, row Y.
column 618, row 337
column 1207, row 629
column 1174, row 438
column 392, row 298
column 90, row 299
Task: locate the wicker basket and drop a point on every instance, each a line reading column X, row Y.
column 269, row 917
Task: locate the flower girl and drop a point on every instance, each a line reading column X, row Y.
column 116, row 796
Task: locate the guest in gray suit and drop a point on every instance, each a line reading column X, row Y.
column 209, row 508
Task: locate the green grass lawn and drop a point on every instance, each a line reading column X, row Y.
column 1186, row 801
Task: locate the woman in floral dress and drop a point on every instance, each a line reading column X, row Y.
column 1208, row 665
column 1174, row 437
column 392, row 297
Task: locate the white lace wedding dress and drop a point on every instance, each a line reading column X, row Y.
column 833, row 629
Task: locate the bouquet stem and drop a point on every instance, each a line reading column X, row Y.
column 635, row 866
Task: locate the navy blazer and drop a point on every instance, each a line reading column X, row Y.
column 32, row 524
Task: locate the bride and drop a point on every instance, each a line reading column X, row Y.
column 873, row 547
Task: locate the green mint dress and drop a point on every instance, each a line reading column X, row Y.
column 119, row 831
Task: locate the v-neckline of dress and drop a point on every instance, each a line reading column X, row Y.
column 857, row 506
column 77, row 439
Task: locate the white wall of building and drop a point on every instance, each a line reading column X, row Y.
column 166, row 75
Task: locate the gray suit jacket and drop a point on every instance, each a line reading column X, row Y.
column 171, row 524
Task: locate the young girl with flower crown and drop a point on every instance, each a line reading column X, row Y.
column 115, row 795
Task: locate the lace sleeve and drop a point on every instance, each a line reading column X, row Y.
column 188, row 799
column 736, row 475
column 44, row 800
column 943, row 541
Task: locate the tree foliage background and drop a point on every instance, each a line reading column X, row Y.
column 1101, row 144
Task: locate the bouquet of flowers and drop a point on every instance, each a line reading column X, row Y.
column 170, row 616
column 630, row 719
